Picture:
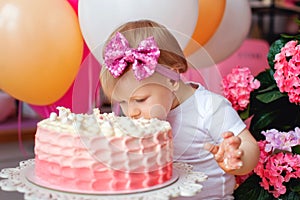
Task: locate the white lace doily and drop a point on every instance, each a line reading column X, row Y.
column 187, row 184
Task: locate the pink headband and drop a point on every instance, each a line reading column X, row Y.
column 118, row 55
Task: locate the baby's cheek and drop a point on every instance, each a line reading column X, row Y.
column 158, row 111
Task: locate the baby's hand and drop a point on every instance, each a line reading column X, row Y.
column 227, row 154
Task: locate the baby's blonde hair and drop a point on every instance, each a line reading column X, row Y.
column 171, row 54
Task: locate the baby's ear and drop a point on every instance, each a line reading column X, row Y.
column 173, row 85
column 177, row 67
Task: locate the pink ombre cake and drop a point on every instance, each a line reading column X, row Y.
column 102, row 152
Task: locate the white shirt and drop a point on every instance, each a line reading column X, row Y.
column 200, row 119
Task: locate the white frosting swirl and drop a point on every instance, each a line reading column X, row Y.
column 106, row 124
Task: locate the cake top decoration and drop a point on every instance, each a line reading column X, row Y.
column 106, row 124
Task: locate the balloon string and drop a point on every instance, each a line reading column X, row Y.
column 90, row 75
column 51, row 109
column 21, row 147
column 46, row 111
column 97, row 95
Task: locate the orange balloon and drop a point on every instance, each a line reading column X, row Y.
column 41, row 48
column 210, row 14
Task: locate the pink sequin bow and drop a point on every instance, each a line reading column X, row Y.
column 118, row 55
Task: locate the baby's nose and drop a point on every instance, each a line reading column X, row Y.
column 134, row 113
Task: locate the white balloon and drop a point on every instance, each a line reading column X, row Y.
column 98, row 18
column 230, row 34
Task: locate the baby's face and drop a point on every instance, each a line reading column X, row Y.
column 150, row 98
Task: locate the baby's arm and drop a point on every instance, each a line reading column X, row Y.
column 236, row 155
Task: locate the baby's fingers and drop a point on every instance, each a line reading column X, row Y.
column 227, row 134
column 237, row 154
column 216, row 150
column 233, row 160
column 211, row 148
column 231, row 164
column 232, row 143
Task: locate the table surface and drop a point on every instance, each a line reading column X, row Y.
column 10, row 155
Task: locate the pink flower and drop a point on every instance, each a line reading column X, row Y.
column 275, row 169
column 287, row 71
column 238, row 85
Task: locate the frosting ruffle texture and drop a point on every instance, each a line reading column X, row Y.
column 85, row 157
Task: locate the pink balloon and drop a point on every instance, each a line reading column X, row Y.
column 77, row 97
column 86, row 86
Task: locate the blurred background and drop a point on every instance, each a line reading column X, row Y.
column 269, row 19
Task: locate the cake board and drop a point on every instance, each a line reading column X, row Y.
column 185, row 182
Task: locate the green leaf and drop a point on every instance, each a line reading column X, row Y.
column 266, row 80
column 265, row 119
column 268, row 89
column 245, row 113
column 280, row 114
column 251, row 190
column 275, row 48
column 270, row 96
column 291, row 196
column 291, row 37
column 296, row 149
column 295, row 185
column 297, row 21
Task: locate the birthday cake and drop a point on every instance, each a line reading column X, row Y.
column 102, row 152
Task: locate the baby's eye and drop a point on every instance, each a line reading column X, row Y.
column 140, row 100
